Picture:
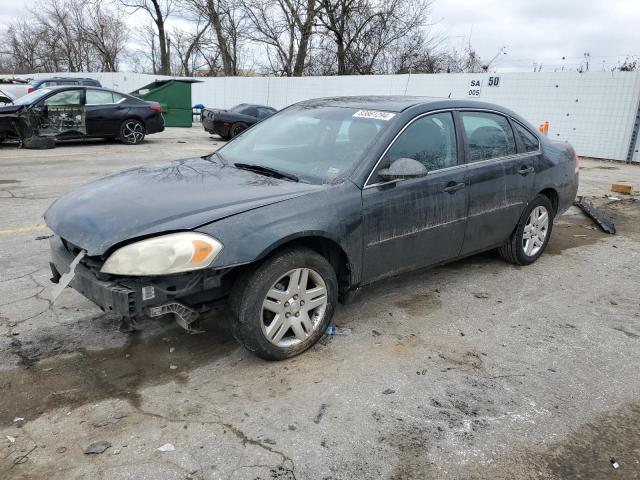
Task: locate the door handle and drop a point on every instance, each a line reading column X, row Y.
column 453, row 187
column 524, row 170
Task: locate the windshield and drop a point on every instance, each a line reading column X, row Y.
column 316, row 144
column 32, row 97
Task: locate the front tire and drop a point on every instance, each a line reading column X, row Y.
column 132, row 132
column 531, row 236
column 284, row 306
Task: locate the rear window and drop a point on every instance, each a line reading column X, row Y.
column 489, row 135
column 529, row 140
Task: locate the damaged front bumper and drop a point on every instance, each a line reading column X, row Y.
column 129, row 297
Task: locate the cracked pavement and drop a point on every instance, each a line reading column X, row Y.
column 474, row 370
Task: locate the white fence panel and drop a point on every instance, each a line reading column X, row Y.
column 595, row 111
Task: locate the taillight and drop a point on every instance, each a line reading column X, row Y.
column 157, row 108
column 31, row 89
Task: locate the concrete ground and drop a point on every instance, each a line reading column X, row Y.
column 475, row 370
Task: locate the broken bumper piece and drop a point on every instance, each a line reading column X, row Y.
column 132, row 296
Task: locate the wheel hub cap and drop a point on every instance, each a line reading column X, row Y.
column 294, row 307
column 535, row 231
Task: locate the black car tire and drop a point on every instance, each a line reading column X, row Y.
column 132, row 132
column 513, row 251
column 250, row 290
column 237, row 129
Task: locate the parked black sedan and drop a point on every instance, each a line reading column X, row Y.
column 46, row 115
column 231, row 122
column 308, row 206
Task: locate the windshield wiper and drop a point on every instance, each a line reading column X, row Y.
column 267, row 171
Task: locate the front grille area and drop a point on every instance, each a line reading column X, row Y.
column 92, row 263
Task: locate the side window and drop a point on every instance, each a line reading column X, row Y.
column 68, row 97
column 489, row 135
column 117, row 98
column 99, row 97
column 264, row 112
column 430, row 140
column 251, row 111
column 529, row 140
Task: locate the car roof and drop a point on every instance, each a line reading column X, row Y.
column 399, row 103
column 63, row 78
column 85, row 87
column 257, row 105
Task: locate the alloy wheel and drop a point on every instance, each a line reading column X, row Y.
column 133, row 132
column 535, row 231
column 294, row 307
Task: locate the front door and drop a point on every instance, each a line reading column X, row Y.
column 417, row 222
column 60, row 115
column 500, row 180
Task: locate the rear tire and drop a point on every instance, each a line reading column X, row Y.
column 284, row 306
column 237, row 129
column 132, row 132
column 532, row 234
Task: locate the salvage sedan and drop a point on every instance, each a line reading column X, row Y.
column 299, row 212
column 234, row 121
column 47, row 115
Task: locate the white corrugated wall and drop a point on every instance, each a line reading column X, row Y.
column 595, row 111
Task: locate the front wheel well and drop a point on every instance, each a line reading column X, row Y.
column 328, row 248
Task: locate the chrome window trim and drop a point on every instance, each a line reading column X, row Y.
column 460, row 110
column 528, row 130
column 366, row 183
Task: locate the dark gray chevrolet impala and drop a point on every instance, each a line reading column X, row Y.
column 299, row 212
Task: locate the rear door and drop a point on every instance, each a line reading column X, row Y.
column 99, row 109
column 500, row 176
column 416, row 222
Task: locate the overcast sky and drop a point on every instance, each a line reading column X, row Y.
column 543, row 31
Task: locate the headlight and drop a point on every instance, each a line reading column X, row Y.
column 172, row 253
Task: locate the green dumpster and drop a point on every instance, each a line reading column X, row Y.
column 175, row 98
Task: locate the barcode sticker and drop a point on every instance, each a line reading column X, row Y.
column 374, row 114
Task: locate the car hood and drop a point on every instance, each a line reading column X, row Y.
column 181, row 195
column 10, row 108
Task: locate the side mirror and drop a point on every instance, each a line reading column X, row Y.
column 403, row 168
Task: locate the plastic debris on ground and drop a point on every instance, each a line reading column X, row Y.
column 167, row 447
column 598, row 216
column 338, row 331
column 97, row 447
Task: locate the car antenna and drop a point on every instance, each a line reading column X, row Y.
column 449, row 95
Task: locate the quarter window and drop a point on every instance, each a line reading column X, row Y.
column 264, row 112
column 99, row 97
column 489, row 135
column 529, row 140
column 431, row 140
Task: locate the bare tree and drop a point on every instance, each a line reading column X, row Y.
column 363, row 30
column 285, row 28
column 229, row 24
column 187, row 45
column 107, row 34
column 67, row 35
column 159, row 11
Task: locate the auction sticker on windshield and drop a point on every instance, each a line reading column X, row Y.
column 386, row 116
